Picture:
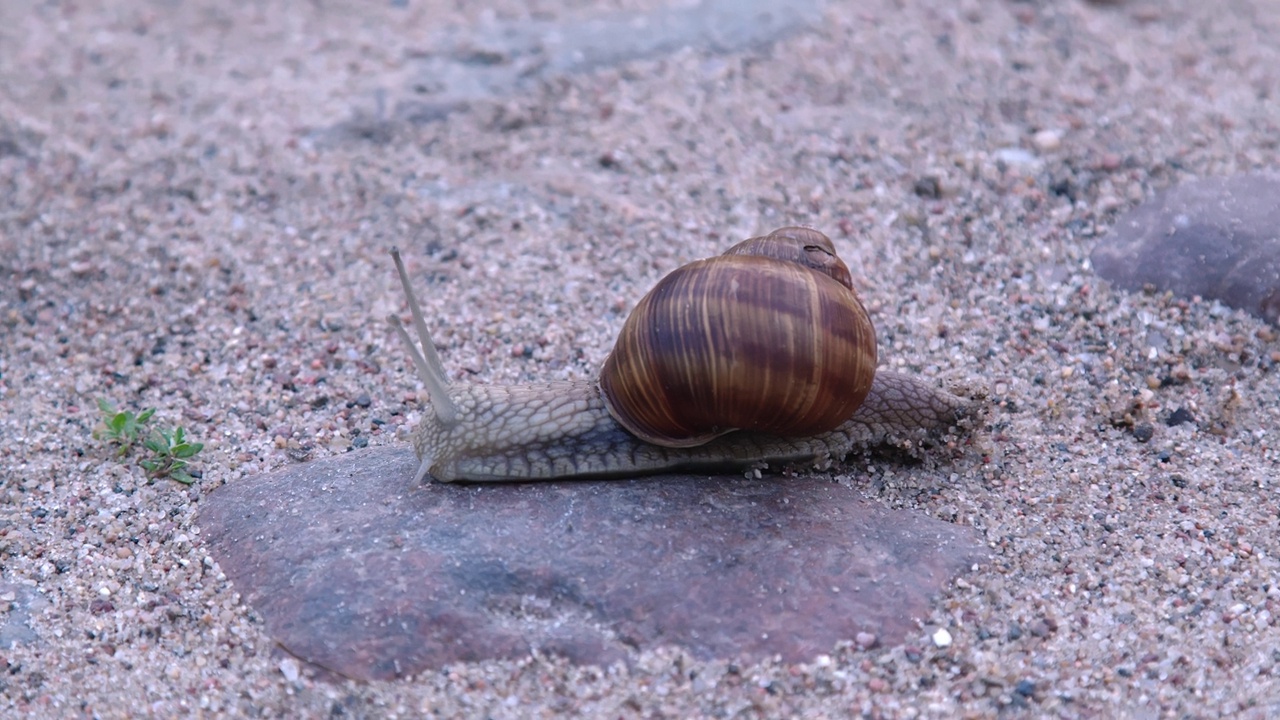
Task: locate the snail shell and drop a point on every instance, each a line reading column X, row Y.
column 769, row 337
column 801, row 245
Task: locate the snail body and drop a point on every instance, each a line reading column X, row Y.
column 762, row 355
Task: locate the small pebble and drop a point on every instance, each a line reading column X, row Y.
column 942, row 638
column 928, row 187
column 1044, row 627
column 1017, row 157
column 1047, row 140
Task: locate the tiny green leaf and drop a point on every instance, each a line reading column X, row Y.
column 168, row 450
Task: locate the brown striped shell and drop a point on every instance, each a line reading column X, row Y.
column 802, row 245
column 769, row 337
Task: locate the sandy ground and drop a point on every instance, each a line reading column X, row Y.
column 196, row 200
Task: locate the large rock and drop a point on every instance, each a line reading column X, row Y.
column 1218, row 238
column 356, row 568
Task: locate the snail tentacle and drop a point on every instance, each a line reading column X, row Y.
column 430, row 367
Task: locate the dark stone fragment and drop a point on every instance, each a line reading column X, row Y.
column 1142, row 432
column 1025, row 688
column 1218, row 238
column 359, row 570
column 363, row 400
column 928, row 187
column 1179, row 416
column 18, row 143
column 1044, row 627
column 1064, row 187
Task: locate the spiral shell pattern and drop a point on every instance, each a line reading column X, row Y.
column 743, row 342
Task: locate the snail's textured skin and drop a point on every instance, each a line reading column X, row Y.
column 557, row 430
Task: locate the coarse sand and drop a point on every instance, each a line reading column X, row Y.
column 196, row 203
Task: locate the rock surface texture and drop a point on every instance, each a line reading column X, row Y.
column 357, row 569
column 1217, row 238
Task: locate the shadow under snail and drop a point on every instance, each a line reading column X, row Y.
column 763, row 355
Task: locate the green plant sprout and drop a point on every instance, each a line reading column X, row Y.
column 172, row 452
column 170, row 449
column 121, row 427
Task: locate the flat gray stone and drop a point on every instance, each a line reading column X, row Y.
column 1218, row 238
column 18, row 603
column 498, row 59
column 357, row 569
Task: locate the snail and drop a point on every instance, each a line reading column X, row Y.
column 762, row 355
